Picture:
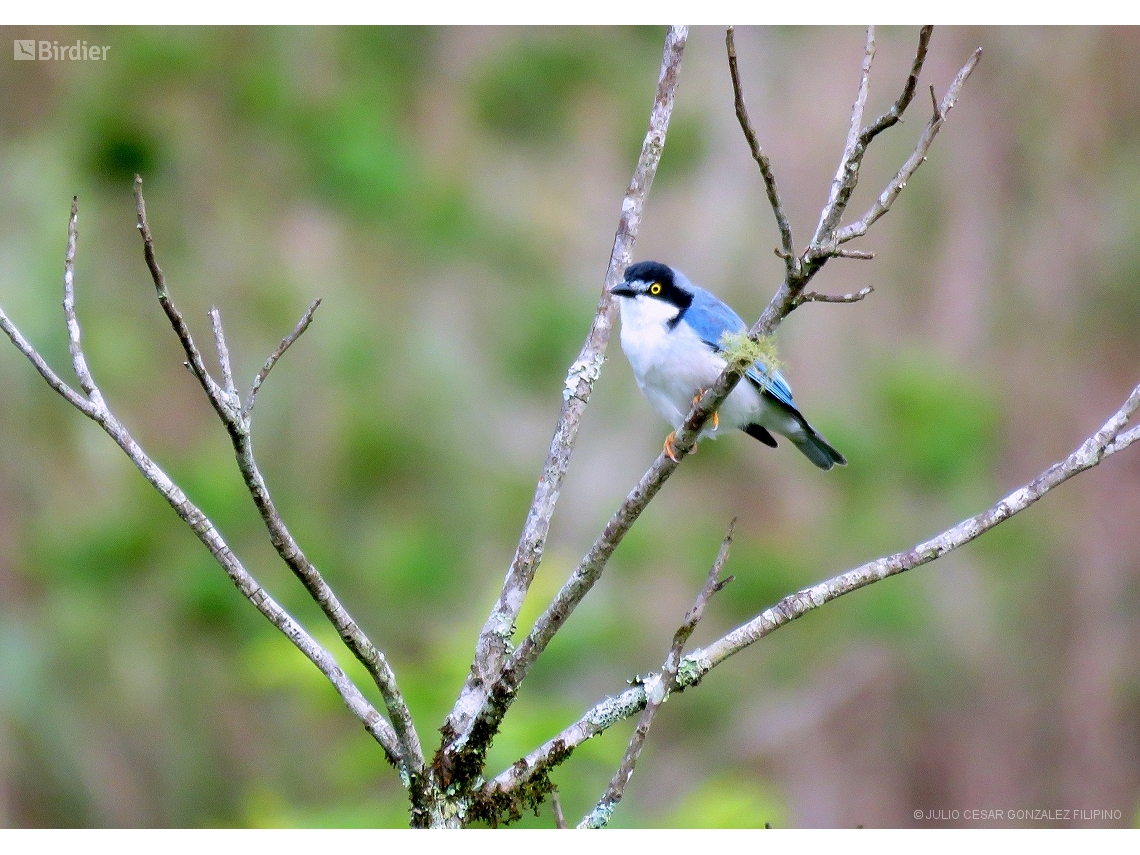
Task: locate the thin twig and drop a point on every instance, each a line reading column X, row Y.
column 285, row 344
column 659, row 690
column 492, row 646
column 787, row 251
column 78, row 360
column 556, row 806
column 224, row 358
column 847, row 175
column 815, row 297
column 917, row 158
column 92, row 402
column 1110, row 439
column 828, row 237
column 894, row 114
column 194, row 357
column 74, row 334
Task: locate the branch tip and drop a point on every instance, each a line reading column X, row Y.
column 278, row 352
column 787, row 253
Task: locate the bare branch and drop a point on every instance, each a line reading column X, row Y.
column 193, row 355
column 657, row 693
column 85, row 405
column 350, row 632
column 285, row 344
column 917, row 158
column 244, row 581
column 224, row 358
column 74, row 398
column 1090, row 453
column 787, row 251
column 74, row 334
column 587, row 573
column 894, row 114
column 847, row 175
column 556, row 806
column 860, row 104
column 828, row 237
column 1110, row 439
column 814, row 297
column 491, row 647
column 237, row 423
column 193, row 516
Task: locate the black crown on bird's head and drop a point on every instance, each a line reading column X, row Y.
column 658, row 281
column 650, row 271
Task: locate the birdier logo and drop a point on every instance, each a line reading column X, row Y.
column 80, row 51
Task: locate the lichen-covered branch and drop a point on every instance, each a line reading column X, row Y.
column 491, row 647
column 656, row 695
column 1110, row 439
column 498, row 696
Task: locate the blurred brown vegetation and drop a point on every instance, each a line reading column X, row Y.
column 451, row 194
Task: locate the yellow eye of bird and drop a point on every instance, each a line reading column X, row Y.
column 655, row 288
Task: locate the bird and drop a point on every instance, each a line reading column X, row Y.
column 671, row 332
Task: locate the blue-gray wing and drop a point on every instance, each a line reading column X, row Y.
column 774, row 383
column 711, row 318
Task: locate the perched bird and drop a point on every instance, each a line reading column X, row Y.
column 671, row 332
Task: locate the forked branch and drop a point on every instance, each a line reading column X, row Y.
column 659, row 689
column 484, row 707
column 916, row 159
column 1112, row 437
column 475, row 701
column 237, row 420
column 93, row 405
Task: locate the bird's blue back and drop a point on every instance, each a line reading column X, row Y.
column 710, row 318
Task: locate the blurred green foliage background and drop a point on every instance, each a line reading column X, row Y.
column 451, row 193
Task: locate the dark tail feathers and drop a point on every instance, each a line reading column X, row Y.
column 817, row 449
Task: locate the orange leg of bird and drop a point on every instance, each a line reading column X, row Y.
column 671, row 448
